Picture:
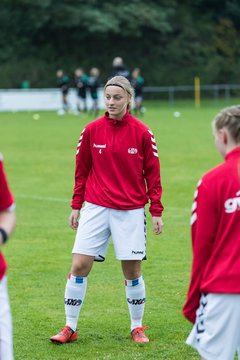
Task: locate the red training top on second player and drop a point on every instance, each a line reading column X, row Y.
column 6, row 202
column 216, row 234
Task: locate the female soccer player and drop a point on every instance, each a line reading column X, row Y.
column 93, row 86
column 116, row 159
column 213, row 300
column 63, row 83
column 81, row 84
column 137, row 82
column 7, row 225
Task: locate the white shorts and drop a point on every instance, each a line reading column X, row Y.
column 6, row 344
column 98, row 223
column 216, row 333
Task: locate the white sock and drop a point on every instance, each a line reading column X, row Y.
column 135, row 292
column 74, row 296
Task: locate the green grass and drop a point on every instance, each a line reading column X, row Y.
column 39, row 159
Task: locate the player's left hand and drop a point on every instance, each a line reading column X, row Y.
column 157, row 225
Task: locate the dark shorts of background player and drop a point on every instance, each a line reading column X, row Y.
column 94, row 95
column 82, row 94
column 65, row 91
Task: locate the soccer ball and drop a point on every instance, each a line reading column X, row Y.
column 36, row 117
column 176, row 114
column 60, row 112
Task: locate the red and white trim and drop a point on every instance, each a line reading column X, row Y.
column 154, row 145
column 194, row 205
column 80, row 141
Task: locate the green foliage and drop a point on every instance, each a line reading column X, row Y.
column 103, row 16
column 171, row 41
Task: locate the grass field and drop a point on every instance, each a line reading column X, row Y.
column 39, row 159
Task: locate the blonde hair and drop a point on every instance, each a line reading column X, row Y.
column 229, row 118
column 123, row 83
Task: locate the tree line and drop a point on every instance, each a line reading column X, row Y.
column 170, row 40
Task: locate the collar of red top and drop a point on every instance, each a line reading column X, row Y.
column 115, row 122
column 233, row 153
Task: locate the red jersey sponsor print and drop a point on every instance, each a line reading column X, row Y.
column 117, row 166
column 6, row 202
column 215, row 227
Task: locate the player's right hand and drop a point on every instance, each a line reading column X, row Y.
column 73, row 219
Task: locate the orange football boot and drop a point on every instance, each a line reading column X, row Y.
column 64, row 336
column 138, row 335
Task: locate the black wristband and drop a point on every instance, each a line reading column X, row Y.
column 4, row 235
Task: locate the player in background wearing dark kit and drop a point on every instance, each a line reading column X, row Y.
column 137, row 82
column 119, row 68
column 81, row 84
column 117, row 173
column 93, row 86
column 213, row 300
column 7, row 225
column 63, row 82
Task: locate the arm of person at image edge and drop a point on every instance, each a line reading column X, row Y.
column 203, row 229
column 7, row 206
column 151, row 169
column 83, row 167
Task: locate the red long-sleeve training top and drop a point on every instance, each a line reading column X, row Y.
column 117, row 166
column 216, row 234
column 6, row 201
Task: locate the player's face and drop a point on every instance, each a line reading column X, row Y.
column 116, row 100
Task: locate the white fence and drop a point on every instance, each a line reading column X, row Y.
column 50, row 99
column 39, row 99
column 215, row 92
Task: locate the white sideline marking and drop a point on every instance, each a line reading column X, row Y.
column 42, row 198
column 179, row 209
column 167, row 209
